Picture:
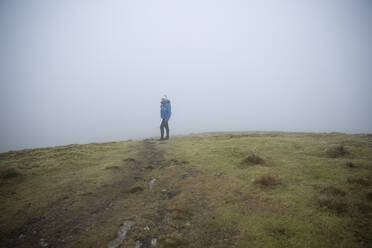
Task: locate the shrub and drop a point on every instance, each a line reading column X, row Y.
column 359, row 180
column 364, row 208
column 336, row 205
column 254, row 159
column 350, row 164
column 337, row 151
column 9, row 173
column 369, row 195
column 331, row 190
column 268, row 180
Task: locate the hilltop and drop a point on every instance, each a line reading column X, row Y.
column 205, row 190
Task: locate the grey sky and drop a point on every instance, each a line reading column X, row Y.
column 89, row 71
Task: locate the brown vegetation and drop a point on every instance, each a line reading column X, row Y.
column 364, row 208
column 350, row 164
column 369, row 195
column 172, row 240
column 134, row 189
column 268, row 180
column 332, row 190
column 112, row 167
column 129, row 160
column 335, row 205
column 359, row 180
column 337, row 151
column 8, row 173
column 252, row 159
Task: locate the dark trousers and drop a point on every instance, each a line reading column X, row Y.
column 164, row 124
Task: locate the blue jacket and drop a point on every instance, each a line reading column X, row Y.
column 165, row 110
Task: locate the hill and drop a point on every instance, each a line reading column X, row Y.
column 206, row 190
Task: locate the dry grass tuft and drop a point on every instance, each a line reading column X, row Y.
column 335, row 205
column 369, row 195
column 268, row 180
column 9, row 173
column 359, row 180
column 334, row 191
column 171, row 240
column 134, row 189
column 252, row 159
column 112, row 167
column 279, row 231
column 337, row 151
column 350, row 164
column 177, row 162
column 182, row 214
column 364, row 208
column 129, row 160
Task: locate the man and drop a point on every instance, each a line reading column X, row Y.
column 165, row 114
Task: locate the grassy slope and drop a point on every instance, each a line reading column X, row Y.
column 77, row 195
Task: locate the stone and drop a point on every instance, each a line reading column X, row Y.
column 153, row 241
column 43, row 243
column 121, row 234
column 138, row 244
column 151, row 183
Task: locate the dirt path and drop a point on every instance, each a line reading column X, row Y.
column 165, row 200
column 75, row 213
column 176, row 211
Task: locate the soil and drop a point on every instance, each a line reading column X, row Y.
column 172, row 210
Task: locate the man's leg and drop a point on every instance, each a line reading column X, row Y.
column 167, row 129
column 162, row 129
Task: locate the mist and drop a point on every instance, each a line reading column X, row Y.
column 92, row 71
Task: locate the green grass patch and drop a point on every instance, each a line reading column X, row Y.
column 253, row 189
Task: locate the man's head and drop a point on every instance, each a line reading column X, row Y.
column 164, row 99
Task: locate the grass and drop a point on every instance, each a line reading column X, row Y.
column 8, row 173
column 359, row 180
column 314, row 190
column 252, row 159
column 338, row 206
column 337, row 151
column 267, row 180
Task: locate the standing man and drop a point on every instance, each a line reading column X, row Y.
column 165, row 114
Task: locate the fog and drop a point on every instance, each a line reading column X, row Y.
column 92, row 71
